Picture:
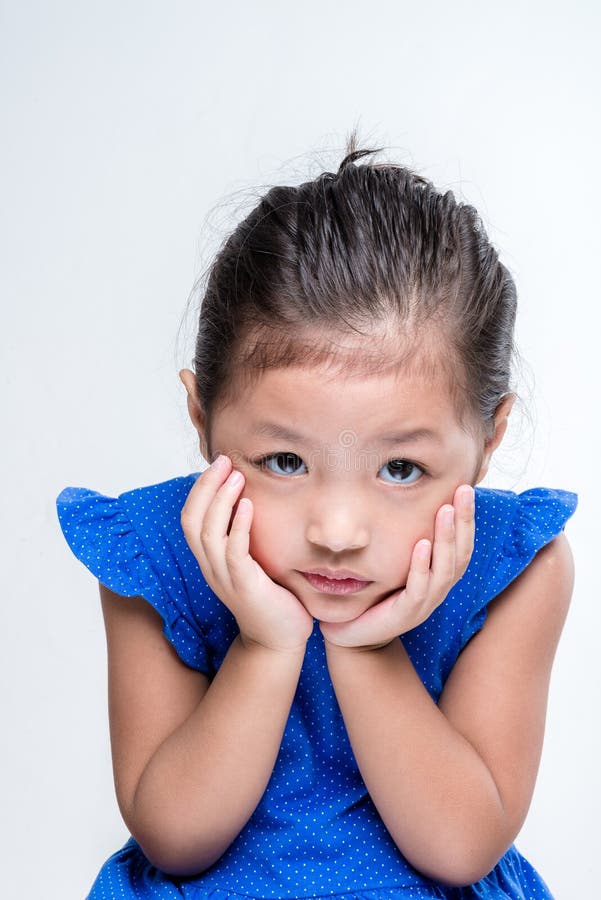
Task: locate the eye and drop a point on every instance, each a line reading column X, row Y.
column 403, row 467
column 403, row 470
column 288, row 461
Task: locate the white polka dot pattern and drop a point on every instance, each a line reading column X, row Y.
column 315, row 832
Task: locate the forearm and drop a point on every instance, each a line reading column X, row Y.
column 204, row 782
column 433, row 791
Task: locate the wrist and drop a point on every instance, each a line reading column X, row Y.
column 258, row 648
column 365, row 662
column 334, row 649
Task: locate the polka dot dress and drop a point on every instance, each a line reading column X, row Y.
column 315, row 832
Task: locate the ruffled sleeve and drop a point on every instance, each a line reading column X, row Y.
column 101, row 535
column 515, row 527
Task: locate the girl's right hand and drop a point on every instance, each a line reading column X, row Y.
column 266, row 613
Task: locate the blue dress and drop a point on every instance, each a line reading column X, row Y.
column 315, row 832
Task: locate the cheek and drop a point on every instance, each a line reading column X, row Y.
column 270, row 536
column 403, row 534
column 414, row 521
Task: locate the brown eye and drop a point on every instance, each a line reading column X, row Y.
column 287, row 463
column 404, row 471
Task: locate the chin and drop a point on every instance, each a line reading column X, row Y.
column 334, row 613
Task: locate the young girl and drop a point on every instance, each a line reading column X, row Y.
column 330, row 677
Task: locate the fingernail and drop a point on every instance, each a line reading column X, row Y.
column 219, row 462
column 466, row 498
column 423, row 549
column 449, row 515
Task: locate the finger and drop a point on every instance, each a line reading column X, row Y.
column 418, row 578
column 238, row 544
column 218, row 515
column 214, row 534
column 465, row 526
column 204, row 489
column 443, row 554
column 198, row 501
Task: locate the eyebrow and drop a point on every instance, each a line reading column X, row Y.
column 273, row 430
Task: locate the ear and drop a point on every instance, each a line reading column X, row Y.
column 195, row 410
column 500, row 427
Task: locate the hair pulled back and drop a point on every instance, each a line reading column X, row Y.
column 371, row 249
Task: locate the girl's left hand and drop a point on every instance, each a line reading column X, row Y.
column 427, row 586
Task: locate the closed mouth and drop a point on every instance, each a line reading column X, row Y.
column 336, row 574
column 327, row 585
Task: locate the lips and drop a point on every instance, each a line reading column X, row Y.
column 340, row 584
column 336, row 574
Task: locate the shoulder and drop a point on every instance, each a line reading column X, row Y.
column 159, row 504
column 512, row 529
column 540, row 596
column 87, row 515
column 154, row 503
column 518, row 524
column 134, row 544
column 129, row 540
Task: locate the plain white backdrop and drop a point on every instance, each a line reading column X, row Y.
column 134, row 135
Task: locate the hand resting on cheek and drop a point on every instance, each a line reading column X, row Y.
column 427, row 585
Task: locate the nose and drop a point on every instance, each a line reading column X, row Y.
column 337, row 524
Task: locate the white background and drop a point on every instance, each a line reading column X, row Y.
column 134, row 135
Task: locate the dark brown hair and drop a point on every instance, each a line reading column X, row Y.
column 373, row 251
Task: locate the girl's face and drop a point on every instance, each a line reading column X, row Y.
column 353, row 473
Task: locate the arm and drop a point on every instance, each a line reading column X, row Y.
column 453, row 782
column 191, row 760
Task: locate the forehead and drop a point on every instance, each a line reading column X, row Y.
column 305, row 374
column 340, row 357
column 299, row 385
column 322, row 402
